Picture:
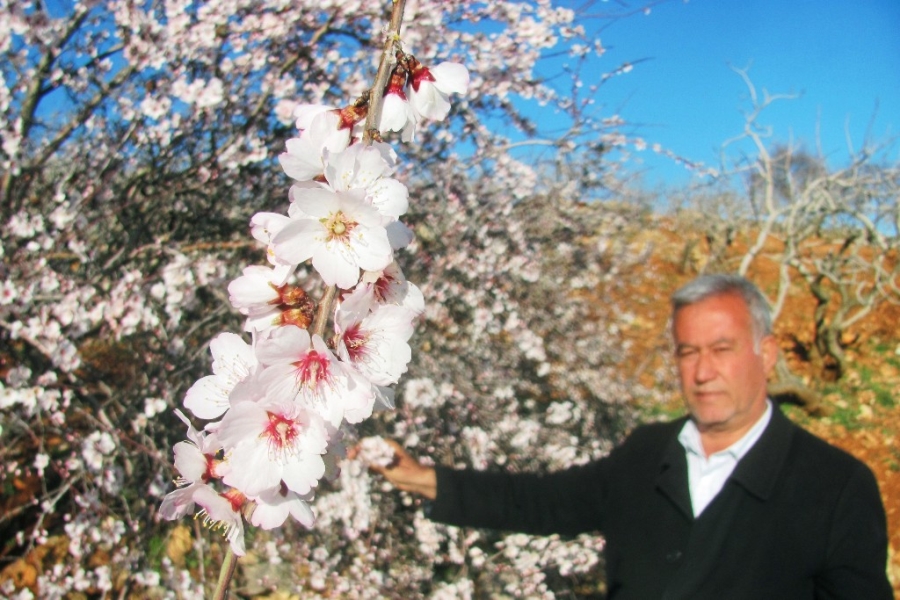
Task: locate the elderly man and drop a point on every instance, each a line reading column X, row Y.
column 732, row 501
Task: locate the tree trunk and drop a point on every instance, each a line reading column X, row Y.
column 827, row 342
column 785, row 387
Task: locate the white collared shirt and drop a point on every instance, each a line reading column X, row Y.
column 707, row 474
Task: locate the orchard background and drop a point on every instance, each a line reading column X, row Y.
column 138, row 138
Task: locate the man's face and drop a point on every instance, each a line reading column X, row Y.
column 723, row 379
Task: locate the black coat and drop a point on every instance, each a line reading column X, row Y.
column 798, row 519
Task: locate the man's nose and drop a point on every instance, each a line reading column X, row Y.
column 705, row 369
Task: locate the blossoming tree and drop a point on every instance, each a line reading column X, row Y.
column 137, row 143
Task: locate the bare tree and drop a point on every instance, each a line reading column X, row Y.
column 833, row 229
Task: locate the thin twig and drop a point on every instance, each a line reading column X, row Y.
column 373, row 117
column 225, row 575
column 385, row 68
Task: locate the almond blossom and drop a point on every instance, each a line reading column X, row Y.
column 196, row 464
column 374, row 337
column 368, row 167
column 255, row 293
column 8, row 292
column 396, row 113
column 305, row 113
column 303, row 159
column 270, row 442
column 233, row 362
column 376, row 451
column 273, row 506
column 339, row 231
column 287, row 400
column 391, row 287
column 300, row 366
column 430, row 88
column 180, row 502
column 223, row 512
column 263, row 227
column 261, row 294
column 196, row 460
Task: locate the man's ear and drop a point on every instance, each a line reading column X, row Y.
column 768, row 349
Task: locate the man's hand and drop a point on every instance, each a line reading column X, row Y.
column 406, row 473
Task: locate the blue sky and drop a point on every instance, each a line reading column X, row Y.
column 841, row 58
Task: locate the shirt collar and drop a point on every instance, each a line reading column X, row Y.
column 689, row 437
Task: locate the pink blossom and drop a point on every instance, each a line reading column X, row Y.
column 391, row 287
column 273, row 441
column 256, row 294
column 368, row 167
column 305, row 113
column 196, row 464
column 273, row 507
column 399, row 235
column 303, row 159
column 8, row 292
column 375, row 451
column 261, row 294
column 222, row 512
column 263, row 227
column 180, row 502
column 300, row 366
column 430, row 88
column 233, row 361
column 339, row 231
column 256, row 291
column 396, row 113
column 374, row 337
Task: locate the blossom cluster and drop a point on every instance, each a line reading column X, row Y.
column 281, row 405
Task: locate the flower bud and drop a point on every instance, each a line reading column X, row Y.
column 292, row 295
column 301, row 317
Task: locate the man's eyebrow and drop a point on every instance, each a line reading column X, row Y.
column 716, row 342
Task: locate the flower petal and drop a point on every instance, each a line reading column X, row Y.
column 451, row 78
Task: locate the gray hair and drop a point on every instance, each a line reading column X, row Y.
column 707, row 286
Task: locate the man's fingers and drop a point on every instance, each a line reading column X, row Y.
column 379, row 454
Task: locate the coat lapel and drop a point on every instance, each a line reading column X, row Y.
column 761, row 467
column 672, row 480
